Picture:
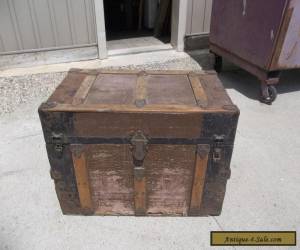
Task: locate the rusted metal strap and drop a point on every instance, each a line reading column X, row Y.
column 82, row 179
column 198, row 90
column 140, row 91
column 126, row 140
column 199, row 179
column 83, row 90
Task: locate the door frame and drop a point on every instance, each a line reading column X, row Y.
column 178, row 26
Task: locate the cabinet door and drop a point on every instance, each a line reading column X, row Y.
column 287, row 53
column 247, row 28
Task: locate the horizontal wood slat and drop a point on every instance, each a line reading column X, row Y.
column 131, row 108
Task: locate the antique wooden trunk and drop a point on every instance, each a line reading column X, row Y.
column 140, row 143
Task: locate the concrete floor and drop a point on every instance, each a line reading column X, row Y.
column 263, row 192
column 134, row 45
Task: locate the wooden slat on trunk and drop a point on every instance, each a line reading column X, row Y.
column 140, row 192
column 199, row 92
column 199, row 179
column 83, row 90
column 82, row 180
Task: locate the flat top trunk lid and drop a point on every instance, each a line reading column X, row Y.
column 139, row 91
column 106, row 104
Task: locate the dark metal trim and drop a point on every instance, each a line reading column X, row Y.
column 171, row 141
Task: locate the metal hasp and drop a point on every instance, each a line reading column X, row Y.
column 139, row 149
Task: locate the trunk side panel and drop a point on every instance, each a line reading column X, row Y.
column 62, row 172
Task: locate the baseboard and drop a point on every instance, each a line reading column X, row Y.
column 48, row 57
column 194, row 42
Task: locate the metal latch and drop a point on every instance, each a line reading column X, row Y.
column 139, row 148
column 218, row 149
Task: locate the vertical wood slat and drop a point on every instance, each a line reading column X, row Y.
column 34, row 23
column 139, row 193
column 2, row 47
column 53, row 21
column 88, row 20
column 93, row 20
column 13, row 16
column 207, row 16
column 82, row 178
column 189, row 17
column 202, row 155
column 83, row 90
column 198, row 18
column 71, row 21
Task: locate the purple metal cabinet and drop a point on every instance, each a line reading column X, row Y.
column 262, row 37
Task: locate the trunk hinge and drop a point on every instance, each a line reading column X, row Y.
column 58, row 141
column 218, row 157
column 218, row 148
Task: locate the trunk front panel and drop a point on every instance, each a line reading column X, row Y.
column 123, row 125
column 169, row 176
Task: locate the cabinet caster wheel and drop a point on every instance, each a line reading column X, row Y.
column 218, row 64
column 269, row 94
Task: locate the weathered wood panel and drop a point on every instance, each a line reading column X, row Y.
column 169, row 176
column 110, row 170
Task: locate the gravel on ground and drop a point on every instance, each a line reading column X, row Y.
column 19, row 90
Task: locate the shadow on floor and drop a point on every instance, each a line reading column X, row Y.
column 233, row 77
column 249, row 85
